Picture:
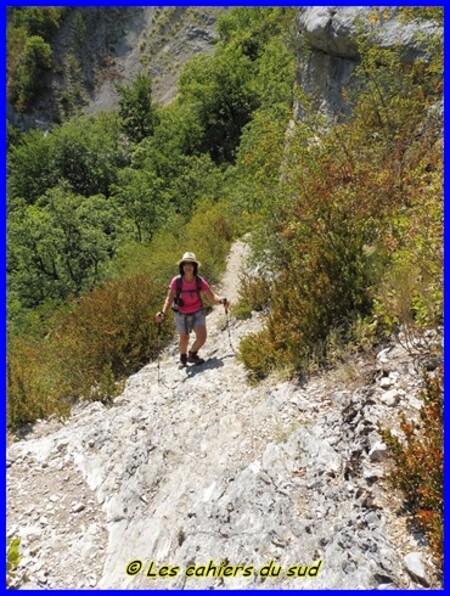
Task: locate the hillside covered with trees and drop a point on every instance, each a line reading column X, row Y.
column 345, row 220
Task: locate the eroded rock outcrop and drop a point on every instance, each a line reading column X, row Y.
column 329, row 50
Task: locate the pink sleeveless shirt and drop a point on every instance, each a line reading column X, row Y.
column 189, row 295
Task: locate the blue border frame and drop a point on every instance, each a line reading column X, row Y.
column 3, row 230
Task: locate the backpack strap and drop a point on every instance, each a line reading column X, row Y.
column 199, row 287
column 179, row 287
column 179, row 290
column 199, row 283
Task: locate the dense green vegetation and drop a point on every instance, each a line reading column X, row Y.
column 346, row 228
column 353, row 231
column 100, row 208
column 29, row 53
column 349, row 233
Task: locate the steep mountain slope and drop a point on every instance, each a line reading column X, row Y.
column 191, row 466
column 99, row 47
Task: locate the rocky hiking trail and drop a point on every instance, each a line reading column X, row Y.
column 205, row 467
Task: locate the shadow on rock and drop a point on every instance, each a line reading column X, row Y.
column 209, row 364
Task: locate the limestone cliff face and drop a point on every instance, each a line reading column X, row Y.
column 98, row 47
column 329, row 53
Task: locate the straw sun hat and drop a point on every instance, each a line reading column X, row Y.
column 188, row 257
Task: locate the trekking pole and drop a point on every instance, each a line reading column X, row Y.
column 160, row 381
column 159, row 345
column 159, row 351
column 227, row 326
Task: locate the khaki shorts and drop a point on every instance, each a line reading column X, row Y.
column 186, row 323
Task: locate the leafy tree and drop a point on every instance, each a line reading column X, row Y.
column 178, row 132
column 275, row 77
column 250, row 67
column 59, row 245
column 37, row 21
column 253, row 28
column 140, row 194
column 197, row 178
column 253, row 186
column 35, row 60
column 87, row 152
column 30, row 168
column 219, row 90
column 137, row 114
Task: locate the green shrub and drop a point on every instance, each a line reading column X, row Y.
column 35, row 382
column 352, row 211
column 254, row 294
column 35, row 60
column 257, row 354
column 410, row 294
column 111, row 329
column 210, row 232
column 12, row 559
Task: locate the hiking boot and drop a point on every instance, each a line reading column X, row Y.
column 183, row 360
column 194, row 358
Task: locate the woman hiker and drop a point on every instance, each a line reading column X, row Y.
column 184, row 293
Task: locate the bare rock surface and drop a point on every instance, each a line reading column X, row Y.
column 331, row 34
column 158, row 42
column 197, row 479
